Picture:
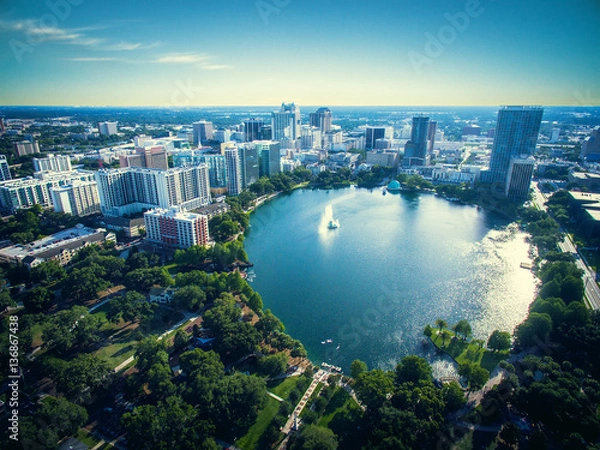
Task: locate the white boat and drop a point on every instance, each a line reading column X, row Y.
column 333, row 224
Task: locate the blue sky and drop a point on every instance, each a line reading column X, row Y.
column 263, row 52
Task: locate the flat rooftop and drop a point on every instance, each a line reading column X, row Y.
column 59, row 239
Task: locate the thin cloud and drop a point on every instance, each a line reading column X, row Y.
column 181, row 58
column 215, row 67
column 129, row 46
column 91, row 59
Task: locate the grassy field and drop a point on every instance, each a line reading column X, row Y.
column 463, row 352
column 281, row 388
column 122, row 338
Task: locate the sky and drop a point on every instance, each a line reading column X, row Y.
column 313, row 52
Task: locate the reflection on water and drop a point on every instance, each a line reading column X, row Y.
column 395, row 265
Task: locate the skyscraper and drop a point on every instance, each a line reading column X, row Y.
column 234, row 172
column 321, row 119
column 286, row 122
column 269, row 157
column 415, row 150
column 203, row 131
column 4, row 169
column 80, row 198
column 252, row 129
column 431, row 135
column 371, row 136
column 130, row 190
column 516, row 137
column 250, row 164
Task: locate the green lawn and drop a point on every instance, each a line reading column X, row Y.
column 123, row 340
column 87, row 438
column 338, row 403
column 281, row 388
column 463, row 352
column 265, row 416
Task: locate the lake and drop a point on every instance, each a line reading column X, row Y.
column 396, row 263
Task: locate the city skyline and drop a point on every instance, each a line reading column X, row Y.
column 488, row 52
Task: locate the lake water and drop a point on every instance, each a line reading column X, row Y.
column 396, row 263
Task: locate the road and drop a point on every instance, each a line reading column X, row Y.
column 592, row 291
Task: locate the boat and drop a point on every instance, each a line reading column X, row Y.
column 333, row 224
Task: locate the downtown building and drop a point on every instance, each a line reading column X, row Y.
column 26, row 148
column 149, row 156
column 130, row 190
column 252, row 129
column 107, row 128
column 514, row 142
column 79, row 198
column 174, row 228
column 415, row 150
column 233, row 166
column 23, row 193
column 52, row 163
column 285, row 123
column 321, row 119
column 202, row 132
column 249, row 163
column 4, row 169
column 269, row 157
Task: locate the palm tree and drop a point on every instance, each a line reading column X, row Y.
column 441, row 324
column 446, row 336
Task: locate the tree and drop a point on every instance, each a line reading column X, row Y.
column 446, row 337
column 499, row 340
column 181, row 339
column 536, row 328
column 428, row 331
column 510, row 434
column 6, row 300
column 463, row 329
column 273, row 365
column 74, row 378
column 38, row 299
column 55, row 419
column 48, row 272
column 171, row 424
column 143, row 279
column 72, row 327
column 84, row 284
column 373, row 388
column 130, row 307
column 475, row 375
column 441, row 324
column 238, row 399
column 201, row 363
column 189, row 297
column 413, row 369
column 149, row 352
column 312, row 437
column 357, row 368
column 453, row 396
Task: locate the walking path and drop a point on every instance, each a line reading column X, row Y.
column 320, row 377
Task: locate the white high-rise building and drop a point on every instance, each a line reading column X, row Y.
column 286, row 122
column 80, row 198
column 4, row 169
column 234, row 170
column 130, row 190
column 25, row 192
column 175, row 228
column 107, row 128
column 52, row 163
